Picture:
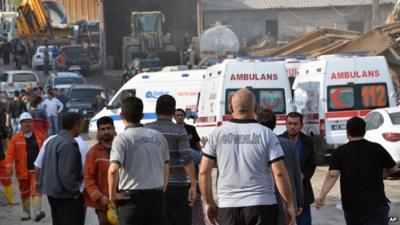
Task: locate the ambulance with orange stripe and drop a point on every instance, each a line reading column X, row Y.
column 268, row 81
column 334, row 88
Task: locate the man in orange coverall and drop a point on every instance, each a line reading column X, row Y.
column 23, row 149
column 96, row 169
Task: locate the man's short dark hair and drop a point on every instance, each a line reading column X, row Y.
column 356, row 127
column 165, row 105
column 181, row 110
column 39, row 99
column 34, row 103
column 70, row 120
column 267, row 118
column 16, row 93
column 132, row 108
column 105, row 120
column 296, row 115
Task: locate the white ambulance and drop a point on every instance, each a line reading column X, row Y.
column 292, row 67
column 183, row 85
column 268, row 81
column 334, row 88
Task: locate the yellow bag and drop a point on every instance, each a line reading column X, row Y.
column 112, row 215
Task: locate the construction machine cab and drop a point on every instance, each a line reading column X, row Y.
column 147, row 39
column 146, row 22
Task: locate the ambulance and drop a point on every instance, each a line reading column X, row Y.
column 267, row 80
column 334, row 88
column 183, row 85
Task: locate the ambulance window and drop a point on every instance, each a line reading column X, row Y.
column 272, row 99
column 373, row 121
column 395, row 118
column 340, row 98
column 374, row 95
column 198, row 102
column 116, row 103
column 229, row 93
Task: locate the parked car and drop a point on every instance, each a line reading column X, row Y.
column 13, row 80
column 64, row 80
column 76, row 58
column 146, row 65
column 38, row 57
column 82, row 99
column 383, row 127
column 139, row 66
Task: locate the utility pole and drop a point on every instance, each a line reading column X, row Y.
column 376, row 20
column 199, row 13
column 103, row 50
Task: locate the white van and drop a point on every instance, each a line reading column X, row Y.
column 183, row 85
column 334, row 88
column 268, row 81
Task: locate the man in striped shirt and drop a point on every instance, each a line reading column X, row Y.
column 181, row 189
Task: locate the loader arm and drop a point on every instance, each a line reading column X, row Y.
column 32, row 19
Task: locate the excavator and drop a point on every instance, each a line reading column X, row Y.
column 36, row 25
column 32, row 18
column 33, row 22
column 147, row 39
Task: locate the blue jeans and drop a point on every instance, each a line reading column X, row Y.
column 54, row 125
column 305, row 217
column 379, row 216
column 15, row 125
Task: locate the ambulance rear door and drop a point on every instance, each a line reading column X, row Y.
column 209, row 108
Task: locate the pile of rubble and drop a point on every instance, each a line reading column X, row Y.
column 318, row 42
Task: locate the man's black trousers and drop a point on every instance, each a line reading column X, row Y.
column 142, row 207
column 67, row 211
column 251, row 215
column 177, row 202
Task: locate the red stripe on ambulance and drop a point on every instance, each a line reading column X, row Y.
column 344, row 114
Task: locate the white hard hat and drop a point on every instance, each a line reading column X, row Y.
column 25, row 116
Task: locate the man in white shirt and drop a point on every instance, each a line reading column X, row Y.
column 53, row 107
column 250, row 163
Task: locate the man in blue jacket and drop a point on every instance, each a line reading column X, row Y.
column 305, row 152
column 61, row 173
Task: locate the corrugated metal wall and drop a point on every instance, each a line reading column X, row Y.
column 81, row 9
column 292, row 23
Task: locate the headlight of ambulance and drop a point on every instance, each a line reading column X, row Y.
column 73, row 110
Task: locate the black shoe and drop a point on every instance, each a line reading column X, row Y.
column 40, row 216
column 25, row 218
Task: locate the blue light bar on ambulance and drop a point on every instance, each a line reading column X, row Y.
column 145, row 77
column 349, row 54
column 185, row 75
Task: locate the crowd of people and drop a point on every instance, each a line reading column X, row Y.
column 16, row 53
column 161, row 172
